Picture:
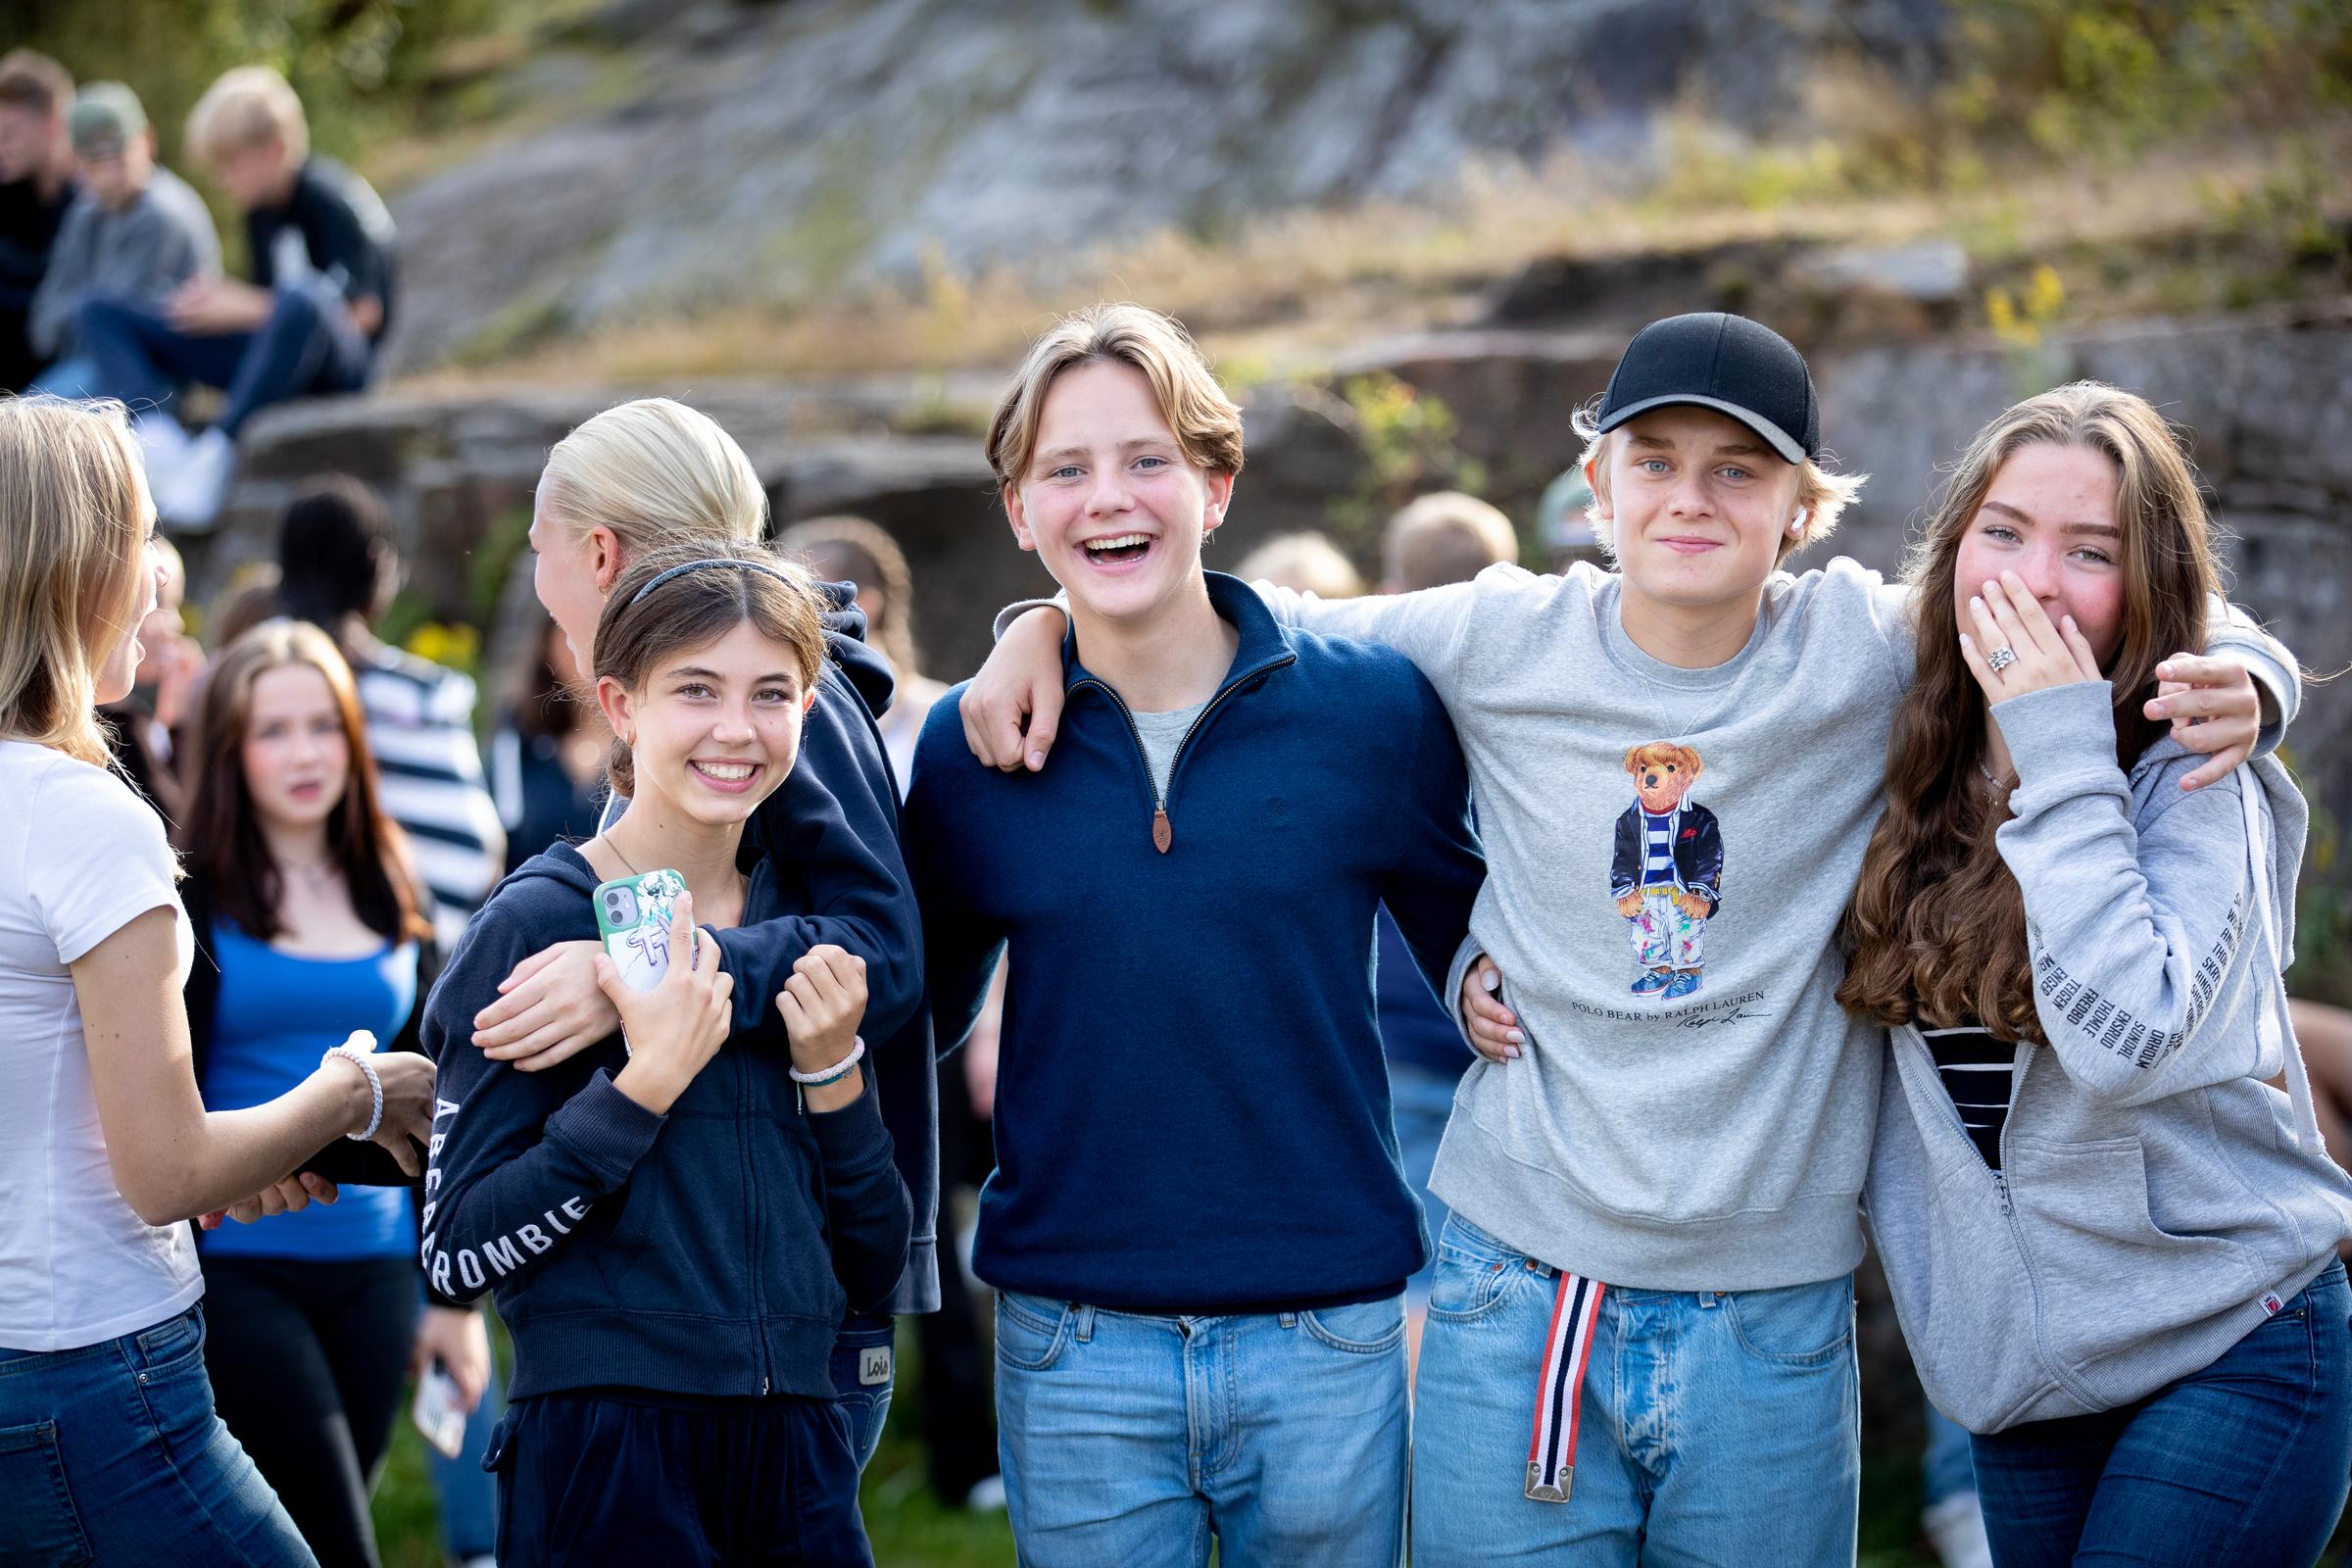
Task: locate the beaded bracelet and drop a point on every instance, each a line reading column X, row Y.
column 358, row 1057
column 833, row 1074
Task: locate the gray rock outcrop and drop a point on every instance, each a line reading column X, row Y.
column 776, row 153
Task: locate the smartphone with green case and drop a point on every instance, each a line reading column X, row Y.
column 633, row 916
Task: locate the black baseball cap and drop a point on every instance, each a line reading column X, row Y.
column 1727, row 362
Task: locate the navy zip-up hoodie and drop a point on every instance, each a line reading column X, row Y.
column 710, row 1250
column 1191, row 1105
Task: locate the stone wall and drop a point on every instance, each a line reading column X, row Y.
column 2268, row 401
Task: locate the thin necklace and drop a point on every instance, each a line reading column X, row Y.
column 1730, row 696
column 622, row 859
column 1990, row 777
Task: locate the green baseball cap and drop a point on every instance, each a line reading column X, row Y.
column 104, row 117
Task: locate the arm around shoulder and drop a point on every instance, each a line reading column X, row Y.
column 834, row 820
column 1427, row 626
column 1434, row 883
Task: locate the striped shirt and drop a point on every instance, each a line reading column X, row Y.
column 1975, row 1070
column 1657, row 864
column 420, row 727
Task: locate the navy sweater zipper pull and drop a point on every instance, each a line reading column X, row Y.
column 1162, row 835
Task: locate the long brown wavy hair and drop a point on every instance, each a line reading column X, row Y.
column 1935, row 933
column 222, row 836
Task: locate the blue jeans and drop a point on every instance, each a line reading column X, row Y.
column 2244, row 1462
column 864, row 1370
column 309, row 344
column 1422, row 1103
column 1717, row 1427
column 1131, row 1440
column 112, row 1454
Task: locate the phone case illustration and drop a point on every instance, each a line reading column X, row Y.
column 632, row 916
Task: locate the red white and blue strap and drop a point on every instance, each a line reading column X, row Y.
column 1559, row 1397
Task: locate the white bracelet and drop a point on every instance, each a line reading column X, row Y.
column 358, row 1057
column 833, row 1074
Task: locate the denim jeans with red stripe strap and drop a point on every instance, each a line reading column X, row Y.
column 1713, row 1426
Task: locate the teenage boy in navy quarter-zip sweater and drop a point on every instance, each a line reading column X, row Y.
column 1198, row 1186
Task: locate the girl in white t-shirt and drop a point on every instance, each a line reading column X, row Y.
column 109, row 1451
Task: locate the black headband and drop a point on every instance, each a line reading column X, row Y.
column 662, row 577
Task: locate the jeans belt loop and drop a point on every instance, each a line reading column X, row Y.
column 1086, row 1322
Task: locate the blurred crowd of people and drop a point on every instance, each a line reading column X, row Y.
column 110, row 277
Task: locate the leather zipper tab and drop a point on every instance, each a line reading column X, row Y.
column 1162, row 835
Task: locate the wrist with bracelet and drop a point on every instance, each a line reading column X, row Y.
column 833, row 1074
column 358, row 1055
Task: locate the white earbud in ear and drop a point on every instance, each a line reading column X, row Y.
column 1796, row 524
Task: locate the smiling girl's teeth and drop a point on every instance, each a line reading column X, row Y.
column 726, row 772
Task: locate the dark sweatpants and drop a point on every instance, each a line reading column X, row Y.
column 308, row 1360
column 611, row 1477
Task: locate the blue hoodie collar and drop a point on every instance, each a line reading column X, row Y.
column 1264, row 642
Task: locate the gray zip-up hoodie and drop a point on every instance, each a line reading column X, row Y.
column 2157, row 1198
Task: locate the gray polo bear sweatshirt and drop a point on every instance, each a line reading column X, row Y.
column 2157, row 1198
column 1686, row 1137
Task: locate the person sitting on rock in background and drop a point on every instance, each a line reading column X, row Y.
column 36, row 186
column 137, row 233
column 309, row 321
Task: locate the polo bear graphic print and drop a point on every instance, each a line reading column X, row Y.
column 1666, row 871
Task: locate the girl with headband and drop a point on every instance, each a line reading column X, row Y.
column 674, row 1231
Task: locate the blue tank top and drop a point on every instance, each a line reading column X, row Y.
column 277, row 1012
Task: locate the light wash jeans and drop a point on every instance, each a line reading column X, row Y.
column 1132, row 1440
column 112, row 1454
column 1717, row 1427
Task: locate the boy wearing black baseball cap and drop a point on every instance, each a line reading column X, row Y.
column 1639, row 1342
